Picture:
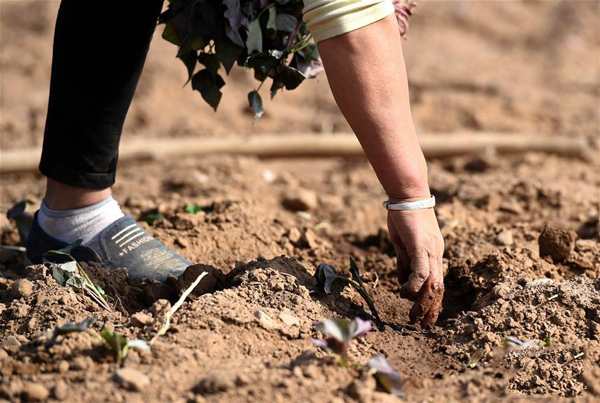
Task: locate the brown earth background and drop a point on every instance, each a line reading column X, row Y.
column 508, row 66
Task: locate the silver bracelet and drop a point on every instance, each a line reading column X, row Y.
column 413, row 205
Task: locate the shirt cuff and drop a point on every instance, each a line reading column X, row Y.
column 330, row 18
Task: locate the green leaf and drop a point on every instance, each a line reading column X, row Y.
column 328, row 280
column 66, row 251
column 286, row 22
column 310, row 52
column 355, row 272
column 256, row 104
column 189, row 59
column 210, row 61
column 547, row 341
column 64, row 271
column 71, row 327
column 170, row 34
column 228, row 52
column 100, row 291
column 193, row 208
column 115, row 342
column 209, row 85
column 272, row 23
column 137, row 344
column 152, row 218
column 197, row 43
column 76, row 282
column 263, row 65
column 254, row 42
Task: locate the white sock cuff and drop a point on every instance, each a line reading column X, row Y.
column 69, row 213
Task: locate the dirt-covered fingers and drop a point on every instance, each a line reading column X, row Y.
column 435, row 308
column 428, row 304
column 420, row 270
column 429, row 299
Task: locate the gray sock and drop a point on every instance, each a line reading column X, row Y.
column 83, row 223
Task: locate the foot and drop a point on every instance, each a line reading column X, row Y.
column 123, row 243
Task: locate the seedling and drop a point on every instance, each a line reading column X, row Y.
column 152, row 218
column 195, row 208
column 120, row 345
column 329, row 280
column 387, row 377
column 339, row 333
column 71, row 327
column 67, row 271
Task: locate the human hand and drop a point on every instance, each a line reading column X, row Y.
column 419, row 247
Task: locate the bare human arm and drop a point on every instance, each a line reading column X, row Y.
column 367, row 76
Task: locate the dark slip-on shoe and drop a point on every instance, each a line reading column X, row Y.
column 124, row 243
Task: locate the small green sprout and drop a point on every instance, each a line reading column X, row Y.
column 152, row 218
column 120, row 345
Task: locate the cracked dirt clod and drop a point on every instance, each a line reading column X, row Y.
column 557, row 243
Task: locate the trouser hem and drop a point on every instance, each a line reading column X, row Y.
column 73, row 177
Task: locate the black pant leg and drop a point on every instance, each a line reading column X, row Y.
column 99, row 51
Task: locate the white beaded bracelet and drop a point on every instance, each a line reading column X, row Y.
column 413, row 205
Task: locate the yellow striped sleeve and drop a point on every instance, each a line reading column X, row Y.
column 329, row 18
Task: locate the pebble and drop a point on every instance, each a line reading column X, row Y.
column 214, row 383
column 60, row 390
column 11, row 344
column 505, row 238
column 22, row 288
column 294, row 235
column 34, row 392
column 289, row 319
column 141, row 319
column 182, row 242
column 264, row 320
column 63, row 366
column 300, row 200
column 131, row 379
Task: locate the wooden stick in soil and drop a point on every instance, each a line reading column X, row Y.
column 314, row 145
